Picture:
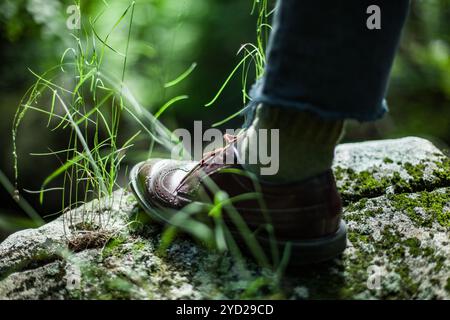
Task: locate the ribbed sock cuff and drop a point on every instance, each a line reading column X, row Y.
column 300, row 125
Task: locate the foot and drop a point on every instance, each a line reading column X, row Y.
column 306, row 213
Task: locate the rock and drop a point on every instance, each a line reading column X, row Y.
column 397, row 196
column 373, row 168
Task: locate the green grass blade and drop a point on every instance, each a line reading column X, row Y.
column 168, row 104
column 181, row 77
column 24, row 205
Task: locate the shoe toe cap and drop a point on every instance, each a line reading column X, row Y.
column 157, row 179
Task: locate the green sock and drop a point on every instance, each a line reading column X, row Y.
column 306, row 142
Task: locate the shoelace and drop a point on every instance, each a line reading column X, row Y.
column 229, row 139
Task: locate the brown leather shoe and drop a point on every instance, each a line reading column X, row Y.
column 306, row 214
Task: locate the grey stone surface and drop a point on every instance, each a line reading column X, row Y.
column 397, row 195
column 373, row 168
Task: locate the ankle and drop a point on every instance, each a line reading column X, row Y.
column 307, row 142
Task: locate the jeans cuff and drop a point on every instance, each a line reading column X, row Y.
column 258, row 97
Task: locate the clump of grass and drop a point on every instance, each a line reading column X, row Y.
column 90, row 163
column 90, row 108
column 87, row 239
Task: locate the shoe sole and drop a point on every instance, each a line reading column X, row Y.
column 302, row 252
column 312, row 251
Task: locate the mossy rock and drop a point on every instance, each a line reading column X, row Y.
column 398, row 248
column 374, row 168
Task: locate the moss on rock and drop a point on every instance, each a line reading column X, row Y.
column 424, row 208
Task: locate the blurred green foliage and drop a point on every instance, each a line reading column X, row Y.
column 168, row 36
column 420, row 86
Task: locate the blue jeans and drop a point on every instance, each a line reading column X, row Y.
column 323, row 58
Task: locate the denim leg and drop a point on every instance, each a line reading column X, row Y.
column 322, row 57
